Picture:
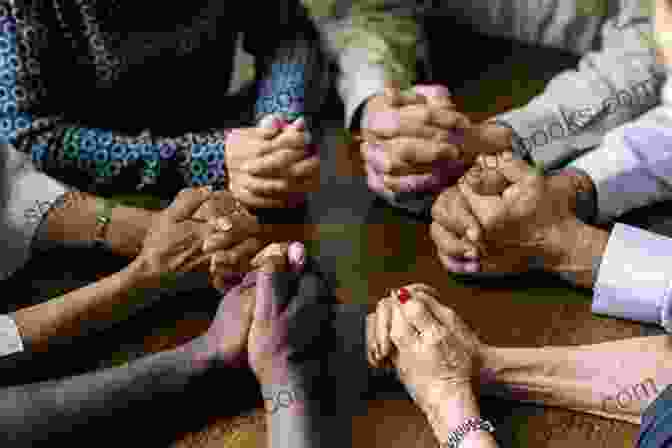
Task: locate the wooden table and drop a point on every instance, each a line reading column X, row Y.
column 373, row 248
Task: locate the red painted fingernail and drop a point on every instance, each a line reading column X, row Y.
column 403, row 295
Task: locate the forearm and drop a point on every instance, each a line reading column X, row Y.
column 72, row 221
column 95, row 306
column 616, row 379
column 293, row 419
column 42, row 411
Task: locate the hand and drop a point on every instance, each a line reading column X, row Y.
column 272, row 167
column 431, row 347
column 237, row 241
column 176, row 243
column 412, row 141
column 532, row 222
column 291, row 320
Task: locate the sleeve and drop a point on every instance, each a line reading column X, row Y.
column 632, row 167
column 31, row 58
column 635, row 277
column 27, row 195
column 656, row 428
column 372, row 42
column 609, row 87
column 293, row 74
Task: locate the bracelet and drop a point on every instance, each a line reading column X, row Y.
column 473, row 424
column 103, row 217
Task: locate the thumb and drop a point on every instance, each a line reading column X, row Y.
column 271, row 125
column 187, row 202
column 272, row 282
column 437, row 95
column 486, row 139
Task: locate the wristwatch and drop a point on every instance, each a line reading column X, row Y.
column 586, row 197
column 472, row 424
column 103, row 216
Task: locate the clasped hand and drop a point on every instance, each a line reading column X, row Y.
column 416, row 142
column 505, row 217
column 274, row 165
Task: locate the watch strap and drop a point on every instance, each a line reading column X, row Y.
column 586, row 199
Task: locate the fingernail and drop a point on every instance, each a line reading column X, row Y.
column 299, row 123
column 472, row 234
column 297, row 256
column 403, row 295
column 491, row 162
column 507, row 155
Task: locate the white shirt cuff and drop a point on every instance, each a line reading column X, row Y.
column 10, row 339
column 25, row 196
column 635, row 276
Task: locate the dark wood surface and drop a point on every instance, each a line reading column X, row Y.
column 373, row 248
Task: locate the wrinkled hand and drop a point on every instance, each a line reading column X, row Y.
column 412, row 141
column 527, row 225
column 429, row 344
column 273, row 165
column 236, row 241
column 291, row 318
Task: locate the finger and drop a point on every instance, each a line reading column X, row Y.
column 220, row 203
column 454, row 214
column 371, row 340
column 422, row 288
column 306, row 167
column 398, row 98
column 236, row 260
column 411, row 184
column 230, row 230
column 420, row 151
column 273, row 164
column 490, row 211
column 187, row 202
column 436, row 95
column 383, row 325
column 485, row 182
column 246, row 196
column 421, row 318
column 459, row 265
column 298, row 125
column 248, row 144
column 271, row 295
column 265, row 186
column 289, row 139
column 375, row 183
column 443, row 314
column 280, row 250
column 296, row 254
column 402, row 334
column 449, row 244
column 455, row 125
column 486, row 139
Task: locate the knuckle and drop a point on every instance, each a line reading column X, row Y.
column 414, row 308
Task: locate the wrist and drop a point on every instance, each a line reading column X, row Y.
column 128, row 228
column 582, row 249
column 453, row 406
